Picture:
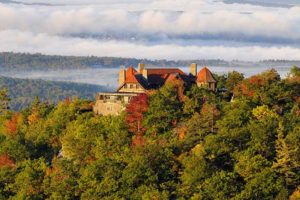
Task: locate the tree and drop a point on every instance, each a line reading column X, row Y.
column 196, row 97
column 222, row 185
column 61, row 180
column 263, row 130
column 149, row 169
column 4, row 100
column 164, row 110
column 263, row 185
column 195, row 170
column 28, row 182
column 284, row 164
column 234, row 78
column 294, row 72
column 135, row 110
column 6, row 161
column 12, row 125
column 201, row 124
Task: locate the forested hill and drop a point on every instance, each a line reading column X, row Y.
column 24, row 91
column 13, row 61
column 178, row 143
column 24, row 61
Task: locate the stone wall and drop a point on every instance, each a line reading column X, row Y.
column 132, row 88
column 111, row 103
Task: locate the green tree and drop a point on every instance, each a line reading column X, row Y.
column 4, row 100
column 164, row 110
column 222, row 185
column 233, row 79
column 284, row 164
column 294, row 72
column 28, row 182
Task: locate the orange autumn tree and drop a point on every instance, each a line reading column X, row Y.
column 135, row 110
column 11, row 125
column 6, row 161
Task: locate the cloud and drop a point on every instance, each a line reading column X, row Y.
column 56, row 45
column 152, row 29
column 90, row 20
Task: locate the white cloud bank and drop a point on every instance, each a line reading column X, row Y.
column 282, row 23
column 55, row 45
column 56, row 29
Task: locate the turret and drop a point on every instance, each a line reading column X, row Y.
column 122, row 75
column 141, row 67
column 193, row 69
column 145, row 73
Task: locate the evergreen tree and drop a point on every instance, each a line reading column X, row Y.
column 4, row 100
column 284, row 163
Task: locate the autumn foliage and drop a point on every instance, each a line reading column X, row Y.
column 6, row 161
column 206, row 146
column 12, row 124
column 137, row 106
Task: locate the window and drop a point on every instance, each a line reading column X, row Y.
column 131, row 86
column 125, row 86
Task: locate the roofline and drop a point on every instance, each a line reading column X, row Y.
column 132, row 83
column 118, row 93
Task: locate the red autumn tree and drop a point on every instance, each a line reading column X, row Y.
column 6, row 161
column 135, row 110
column 12, row 124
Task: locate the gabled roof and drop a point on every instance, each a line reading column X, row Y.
column 173, row 77
column 130, row 75
column 157, row 76
column 205, row 76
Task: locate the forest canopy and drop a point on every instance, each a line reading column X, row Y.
column 10, row 61
column 175, row 143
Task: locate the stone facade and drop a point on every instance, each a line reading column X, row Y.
column 132, row 88
column 111, row 103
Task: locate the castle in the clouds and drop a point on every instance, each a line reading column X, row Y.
column 133, row 82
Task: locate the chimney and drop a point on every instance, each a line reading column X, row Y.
column 122, row 75
column 145, row 73
column 141, row 67
column 193, row 69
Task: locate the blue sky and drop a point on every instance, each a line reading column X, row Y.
column 153, row 29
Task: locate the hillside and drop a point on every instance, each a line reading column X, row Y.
column 176, row 144
column 23, row 61
column 24, row 91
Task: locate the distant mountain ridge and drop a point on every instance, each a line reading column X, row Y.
column 24, row 91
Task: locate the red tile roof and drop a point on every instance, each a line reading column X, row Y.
column 130, row 75
column 173, row 77
column 158, row 76
column 205, row 76
column 163, row 71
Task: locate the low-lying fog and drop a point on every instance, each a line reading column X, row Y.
column 109, row 76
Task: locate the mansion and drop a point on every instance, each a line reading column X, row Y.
column 133, row 82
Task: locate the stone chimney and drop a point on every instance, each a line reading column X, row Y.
column 141, row 67
column 122, row 75
column 193, row 69
column 145, row 73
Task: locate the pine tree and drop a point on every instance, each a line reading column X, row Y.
column 4, row 100
column 284, row 164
